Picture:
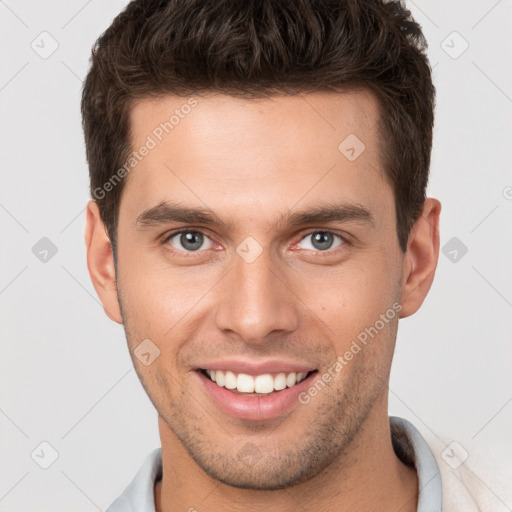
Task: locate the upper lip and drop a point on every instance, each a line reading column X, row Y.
column 256, row 368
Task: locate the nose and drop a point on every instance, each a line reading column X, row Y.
column 256, row 302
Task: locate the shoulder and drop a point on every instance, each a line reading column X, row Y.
column 466, row 485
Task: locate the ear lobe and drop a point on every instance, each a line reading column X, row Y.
column 421, row 258
column 100, row 262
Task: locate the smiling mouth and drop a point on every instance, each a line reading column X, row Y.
column 258, row 385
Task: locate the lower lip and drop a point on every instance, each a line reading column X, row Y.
column 254, row 408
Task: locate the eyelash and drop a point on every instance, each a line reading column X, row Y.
column 327, row 252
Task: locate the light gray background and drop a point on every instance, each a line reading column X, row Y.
column 66, row 376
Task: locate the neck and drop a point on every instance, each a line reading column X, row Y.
column 367, row 476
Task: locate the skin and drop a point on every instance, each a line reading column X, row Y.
column 250, row 162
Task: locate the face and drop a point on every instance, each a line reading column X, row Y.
column 256, row 244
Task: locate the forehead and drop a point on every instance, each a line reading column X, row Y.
column 255, row 154
column 213, row 116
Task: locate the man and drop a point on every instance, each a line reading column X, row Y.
column 259, row 224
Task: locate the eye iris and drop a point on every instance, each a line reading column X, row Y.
column 322, row 240
column 192, row 240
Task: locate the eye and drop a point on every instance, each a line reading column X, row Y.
column 321, row 241
column 190, row 241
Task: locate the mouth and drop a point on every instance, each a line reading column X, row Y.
column 257, row 385
column 256, row 396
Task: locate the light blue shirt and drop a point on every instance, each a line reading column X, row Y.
column 139, row 494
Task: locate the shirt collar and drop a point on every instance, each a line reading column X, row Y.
column 412, row 449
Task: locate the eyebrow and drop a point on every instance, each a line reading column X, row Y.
column 167, row 212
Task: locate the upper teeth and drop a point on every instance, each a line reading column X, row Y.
column 265, row 383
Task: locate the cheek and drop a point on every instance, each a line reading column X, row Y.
column 158, row 299
column 353, row 297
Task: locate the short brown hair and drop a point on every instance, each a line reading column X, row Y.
column 255, row 49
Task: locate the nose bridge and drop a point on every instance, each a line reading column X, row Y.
column 255, row 301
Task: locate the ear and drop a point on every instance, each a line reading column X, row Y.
column 100, row 262
column 420, row 260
